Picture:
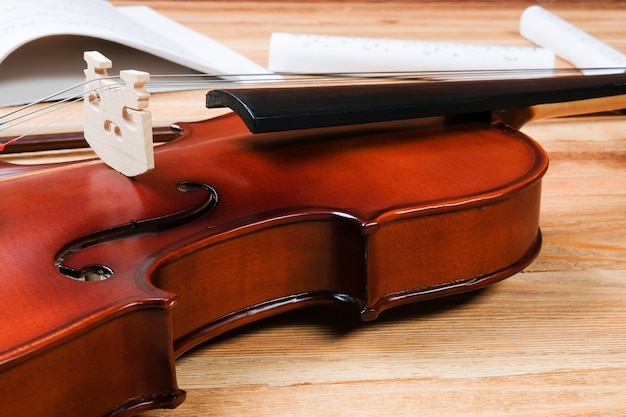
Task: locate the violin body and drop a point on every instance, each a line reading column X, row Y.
column 105, row 279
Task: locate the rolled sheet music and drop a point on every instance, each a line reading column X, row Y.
column 303, row 53
column 579, row 48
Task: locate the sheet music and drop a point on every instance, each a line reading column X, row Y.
column 569, row 42
column 43, row 43
column 26, row 20
column 332, row 54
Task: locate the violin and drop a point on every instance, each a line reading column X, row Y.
column 366, row 196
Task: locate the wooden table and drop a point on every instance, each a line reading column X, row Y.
column 550, row 341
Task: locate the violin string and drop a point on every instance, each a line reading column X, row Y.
column 296, row 78
column 345, row 77
column 180, row 79
column 325, row 78
column 342, row 77
column 50, row 97
column 260, row 78
column 44, row 125
column 38, row 127
column 203, row 80
column 49, row 109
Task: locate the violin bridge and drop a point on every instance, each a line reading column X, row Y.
column 117, row 126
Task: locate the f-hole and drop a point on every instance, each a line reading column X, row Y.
column 100, row 272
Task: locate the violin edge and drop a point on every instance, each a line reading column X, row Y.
column 294, row 302
column 454, row 287
column 132, row 382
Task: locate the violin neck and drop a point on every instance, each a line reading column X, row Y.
column 515, row 101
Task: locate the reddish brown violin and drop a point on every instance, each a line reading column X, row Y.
column 346, row 196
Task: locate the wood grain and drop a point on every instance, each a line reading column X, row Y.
column 550, row 341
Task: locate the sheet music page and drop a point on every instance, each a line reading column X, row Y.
column 584, row 51
column 42, row 44
column 26, row 20
column 292, row 52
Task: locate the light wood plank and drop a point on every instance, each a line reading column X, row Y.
column 550, row 341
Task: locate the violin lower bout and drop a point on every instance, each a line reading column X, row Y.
column 320, row 258
column 115, row 362
column 435, row 255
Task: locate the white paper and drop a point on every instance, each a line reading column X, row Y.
column 306, row 53
column 42, row 44
column 582, row 50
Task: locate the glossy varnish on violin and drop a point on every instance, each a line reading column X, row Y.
column 370, row 216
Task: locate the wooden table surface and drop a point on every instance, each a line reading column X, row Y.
column 550, row 341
